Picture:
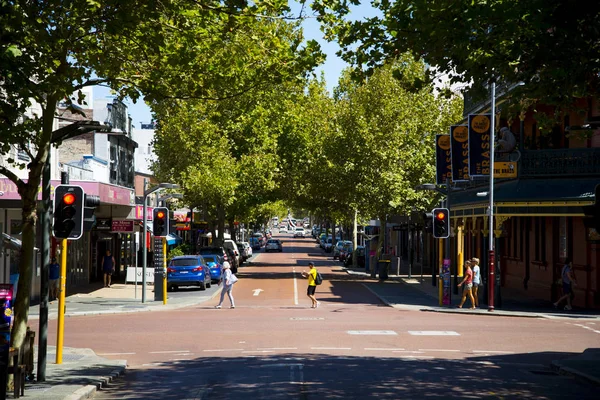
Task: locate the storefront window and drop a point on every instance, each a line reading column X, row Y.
column 563, row 237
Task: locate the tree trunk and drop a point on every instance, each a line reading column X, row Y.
column 232, row 229
column 221, row 224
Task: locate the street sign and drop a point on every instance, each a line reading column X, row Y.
column 505, row 169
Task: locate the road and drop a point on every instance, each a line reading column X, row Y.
column 273, row 345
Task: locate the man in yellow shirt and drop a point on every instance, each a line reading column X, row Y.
column 312, row 286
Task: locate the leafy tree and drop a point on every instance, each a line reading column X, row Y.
column 551, row 46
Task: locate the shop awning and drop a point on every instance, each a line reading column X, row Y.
column 173, row 239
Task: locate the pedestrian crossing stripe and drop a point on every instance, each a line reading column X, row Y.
column 434, row 333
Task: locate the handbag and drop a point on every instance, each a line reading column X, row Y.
column 233, row 279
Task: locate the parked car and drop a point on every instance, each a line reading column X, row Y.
column 245, row 250
column 188, row 271
column 338, row 248
column 215, row 266
column 299, row 232
column 360, row 256
column 345, row 250
column 274, row 245
column 328, row 244
column 221, row 251
column 254, row 243
column 232, row 247
column 321, row 238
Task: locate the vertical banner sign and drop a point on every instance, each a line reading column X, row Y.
column 443, row 165
column 459, row 141
column 479, row 144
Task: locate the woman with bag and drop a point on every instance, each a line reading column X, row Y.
column 228, row 279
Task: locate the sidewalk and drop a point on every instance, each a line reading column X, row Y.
column 405, row 293
column 82, row 372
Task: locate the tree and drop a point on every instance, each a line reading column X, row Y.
column 161, row 49
column 551, row 46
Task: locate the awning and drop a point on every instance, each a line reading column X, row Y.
column 173, row 239
column 12, row 243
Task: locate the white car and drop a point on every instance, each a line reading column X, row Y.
column 299, row 232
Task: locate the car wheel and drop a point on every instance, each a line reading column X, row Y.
column 209, row 284
column 202, row 286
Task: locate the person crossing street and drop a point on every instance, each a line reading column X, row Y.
column 312, row 285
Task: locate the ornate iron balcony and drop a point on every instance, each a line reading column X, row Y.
column 560, row 162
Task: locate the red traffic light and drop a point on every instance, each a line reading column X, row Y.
column 440, row 216
column 69, row 198
column 160, row 214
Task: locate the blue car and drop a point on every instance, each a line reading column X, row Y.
column 215, row 265
column 188, row 271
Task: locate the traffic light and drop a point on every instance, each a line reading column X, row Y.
column 89, row 219
column 427, row 222
column 160, row 222
column 441, row 223
column 592, row 212
column 68, row 212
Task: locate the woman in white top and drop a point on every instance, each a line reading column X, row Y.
column 476, row 279
column 228, row 279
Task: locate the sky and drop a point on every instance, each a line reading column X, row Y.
column 332, row 67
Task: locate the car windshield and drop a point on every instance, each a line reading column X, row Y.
column 272, row 241
column 300, row 229
column 210, row 259
column 184, row 262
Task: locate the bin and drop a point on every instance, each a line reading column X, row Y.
column 384, row 269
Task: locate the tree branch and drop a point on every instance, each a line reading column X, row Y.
column 13, row 177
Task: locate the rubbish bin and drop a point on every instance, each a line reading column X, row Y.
column 384, row 268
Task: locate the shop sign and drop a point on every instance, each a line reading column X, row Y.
column 443, row 164
column 103, row 224
column 505, row 169
column 459, row 141
column 122, row 225
column 139, row 213
column 479, row 144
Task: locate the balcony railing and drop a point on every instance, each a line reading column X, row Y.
column 77, row 173
column 561, row 162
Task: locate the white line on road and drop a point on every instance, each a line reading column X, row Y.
column 169, row 351
column 113, row 354
column 419, row 357
column 215, row 350
column 446, row 350
column 257, row 292
column 587, row 327
column 277, row 348
column 408, row 351
column 258, row 351
column 493, row 351
column 331, row 348
column 372, row 333
column 434, row 333
column 295, row 287
column 383, row 349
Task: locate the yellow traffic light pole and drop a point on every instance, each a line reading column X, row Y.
column 60, row 334
column 164, row 249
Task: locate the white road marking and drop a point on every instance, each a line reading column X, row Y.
column 372, row 333
column 295, row 287
column 169, row 351
column 331, row 348
column 278, row 348
column 408, row 351
column 383, row 349
column 434, row 333
column 419, row 357
column 493, row 351
column 589, row 328
column 446, row 350
column 113, row 354
column 257, row 292
column 217, row 350
column 258, row 351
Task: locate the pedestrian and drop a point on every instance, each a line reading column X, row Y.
column 476, row 279
column 568, row 281
column 227, row 279
column 108, row 267
column 312, row 286
column 53, row 277
column 468, row 290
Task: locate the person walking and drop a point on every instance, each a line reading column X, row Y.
column 468, row 290
column 53, row 277
column 568, row 281
column 108, row 267
column 312, row 285
column 227, row 279
column 476, row 279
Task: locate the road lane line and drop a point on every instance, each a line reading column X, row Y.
column 419, row 357
column 383, row 349
column 295, row 287
column 331, row 348
column 372, row 333
column 493, row 351
column 434, row 333
column 446, row 350
column 408, row 351
column 113, row 354
column 215, row 350
column 169, row 351
column 258, row 351
column 277, row 348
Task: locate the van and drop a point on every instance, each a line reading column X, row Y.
column 230, row 244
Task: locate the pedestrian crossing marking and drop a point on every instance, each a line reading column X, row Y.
column 434, row 333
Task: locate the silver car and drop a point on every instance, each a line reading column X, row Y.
column 273, row 245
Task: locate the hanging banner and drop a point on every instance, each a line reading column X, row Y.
column 459, row 141
column 479, row 144
column 443, row 165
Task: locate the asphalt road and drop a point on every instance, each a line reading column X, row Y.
column 273, row 345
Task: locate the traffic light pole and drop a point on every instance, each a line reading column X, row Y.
column 60, row 333
column 447, row 240
column 144, row 250
column 492, row 256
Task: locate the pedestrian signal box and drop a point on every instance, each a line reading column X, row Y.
column 68, row 212
column 441, row 223
column 160, row 222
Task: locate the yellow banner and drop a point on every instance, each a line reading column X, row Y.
column 505, row 169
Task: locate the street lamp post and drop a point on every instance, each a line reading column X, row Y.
column 491, row 258
column 147, row 193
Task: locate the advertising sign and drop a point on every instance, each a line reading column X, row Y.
column 122, row 225
column 446, row 282
column 505, row 169
column 443, row 165
column 459, row 141
column 479, row 144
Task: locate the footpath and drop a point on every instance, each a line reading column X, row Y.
column 82, row 372
column 418, row 293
